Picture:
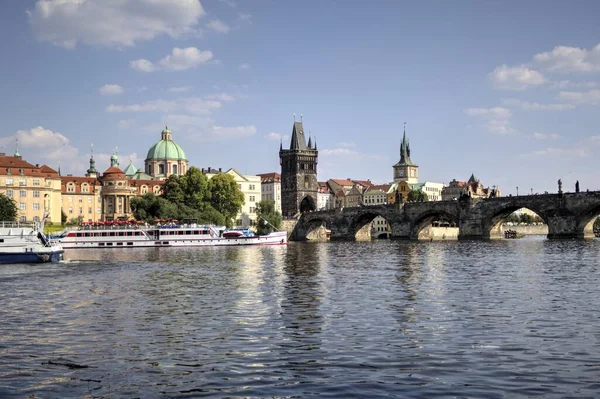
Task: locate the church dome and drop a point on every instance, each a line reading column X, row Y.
column 166, row 148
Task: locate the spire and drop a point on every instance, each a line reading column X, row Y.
column 17, row 149
column 281, row 144
column 114, row 159
column 92, row 172
column 309, row 142
column 298, row 141
column 405, row 150
column 315, row 144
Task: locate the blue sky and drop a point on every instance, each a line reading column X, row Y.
column 508, row 90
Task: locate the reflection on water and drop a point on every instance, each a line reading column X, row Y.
column 366, row 319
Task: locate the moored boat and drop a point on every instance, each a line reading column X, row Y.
column 26, row 243
column 134, row 235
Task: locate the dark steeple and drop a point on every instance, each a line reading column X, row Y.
column 405, row 151
column 298, row 141
column 92, row 172
column 309, row 143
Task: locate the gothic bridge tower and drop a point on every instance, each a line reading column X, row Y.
column 405, row 169
column 298, row 173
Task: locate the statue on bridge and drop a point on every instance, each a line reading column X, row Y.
column 559, row 186
column 577, row 186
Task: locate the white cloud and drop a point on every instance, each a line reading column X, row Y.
column 111, row 23
column 345, row 144
column 143, row 65
column 218, row 26
column 496, row 112
column 591, row 97
column 110, row 89
column 224, row 97
column 243, row 67
column 230, row 3
column 180, row 89
column 348, row 153
column 180, row 59
column 224, row 133
column 563, row 152
column 570, row 59
column 515, row 78
column 499, row 126
column 276, row 136
column 245, row 17
column 546, row 136
column 497, row 119
column 565, row 84
column 193, row 105
column 529, row 106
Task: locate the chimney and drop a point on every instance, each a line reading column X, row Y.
column 220, row 170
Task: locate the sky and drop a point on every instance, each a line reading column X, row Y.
column 506, row 90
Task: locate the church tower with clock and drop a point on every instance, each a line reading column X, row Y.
column 405, row 169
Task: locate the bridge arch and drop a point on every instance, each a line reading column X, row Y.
column 585, row 222
column 420, row 228
column 312, row 229
column 493, row 221
column 308, row 204
column 359, row 226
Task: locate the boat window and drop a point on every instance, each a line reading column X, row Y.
column 101, row 244
column 196, row 232
column 129, row 243
column 121, row 234
column 187, row 232
column 109, row 243
column 165, row 242
column 1, row 239
column 79, row 234
column 111, row 234
column 103, row 234
column 119, row 243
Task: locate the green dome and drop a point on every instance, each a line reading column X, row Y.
column 166, row 148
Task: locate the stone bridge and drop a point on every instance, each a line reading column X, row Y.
column 569, row 215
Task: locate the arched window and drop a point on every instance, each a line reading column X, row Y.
column 161, row 169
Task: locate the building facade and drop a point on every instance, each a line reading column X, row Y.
column 81, row 198
column 250, row 185
column 299, row 186
column 35, row 189
column 324, row 197
column 270, row 188
column 472, row 188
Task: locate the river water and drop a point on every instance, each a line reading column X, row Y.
column 513, row 318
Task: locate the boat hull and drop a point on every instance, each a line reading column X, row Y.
column 31, row 257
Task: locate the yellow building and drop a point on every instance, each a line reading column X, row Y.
column 81, row 198
column 35, row 189
column 250, row 185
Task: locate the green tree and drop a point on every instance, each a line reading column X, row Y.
column 417, row 196
column 172, row 190
column 63, row 217
column 267, row 218
column 8, row 209
column 225, row 196
column 195, row 187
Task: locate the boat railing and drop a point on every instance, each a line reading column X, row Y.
column 8, row 224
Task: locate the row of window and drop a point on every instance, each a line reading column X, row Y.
column 98, row 210
column 23, row 193
column 23, row 206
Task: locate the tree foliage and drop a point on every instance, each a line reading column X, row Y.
column 267, row 218
column 225, row 196
column 417, row 196
column 191, row 197
column 8, row 209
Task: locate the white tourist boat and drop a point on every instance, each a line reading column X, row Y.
column 127, row 235
column 26, row 243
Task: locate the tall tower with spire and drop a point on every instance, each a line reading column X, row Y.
column 405, row 169
column 298, row 173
